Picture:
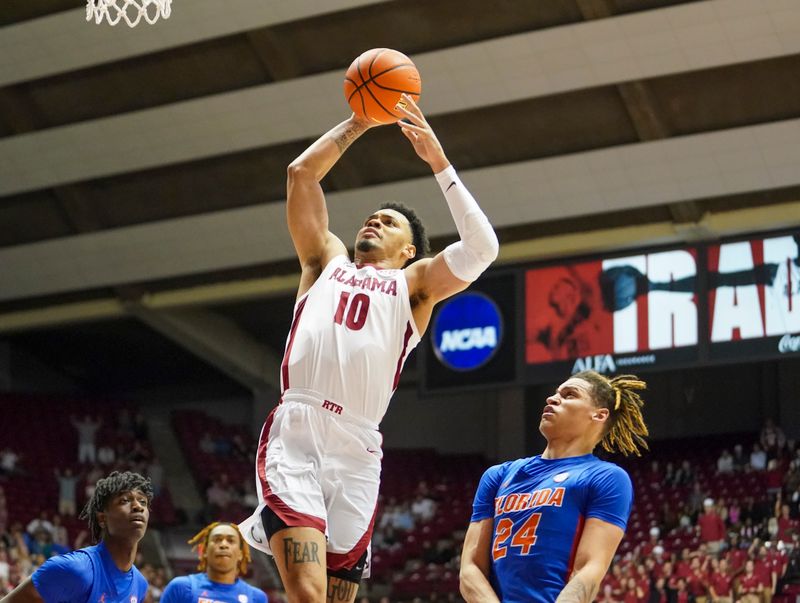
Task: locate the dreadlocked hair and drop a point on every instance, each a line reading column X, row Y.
column 625, row 430
column 107, row 488
column 200, row 540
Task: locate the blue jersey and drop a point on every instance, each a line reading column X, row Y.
column 88, row 576
column 539, row 507
column 197, row 588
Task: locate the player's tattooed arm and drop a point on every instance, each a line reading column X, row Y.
column 578, row 590
column 347, row 132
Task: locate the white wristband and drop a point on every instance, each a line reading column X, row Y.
column 478, row 247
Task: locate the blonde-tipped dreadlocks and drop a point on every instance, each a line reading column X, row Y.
column 199, row 542
column 625, row 431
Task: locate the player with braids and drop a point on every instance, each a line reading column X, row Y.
column 117, row 513
column 545, row 528
column 625, row 430
column 223, row 557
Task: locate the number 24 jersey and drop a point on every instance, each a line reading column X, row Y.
column 539, row 507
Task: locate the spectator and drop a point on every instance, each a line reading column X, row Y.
column 669, row 518
column 684, row 475
column 607, row 595
column 736, row 556
column 794, row 502
column 696, row 498
column 240, row 448
column 670, row 474
column 124, row 423
column 685, row 519
column 653, row 541
column 792, row 478
column 423, row 508
column 683, row 568
column 9, row 463
column 758, row 458
column 404, row 520
column 139, row 453
column 772, row 438
column 87, row 433
column 766, row 574
column 40, row 523
column 787, row 526
column 696, row 582
column 633, row 593
column 748, row 533
column 655, row 477
column 60, row 535
column 682, row 594
column 617, row 582
column 721, row 583
column 95, row 473
column 219, row 494
column 643, row 582
column 740, row 461
column 725, row 463
column 106, row 455
column 753, row 511
column 774, row 477
column 223, row 446
column 155, row 471
column 67, row 491
column 734, row 513
column 249, row 494
column 659, row 593
column 389, row 514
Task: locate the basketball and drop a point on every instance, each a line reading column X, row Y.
column 376, row 79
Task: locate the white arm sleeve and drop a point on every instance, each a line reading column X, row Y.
column 478, row 247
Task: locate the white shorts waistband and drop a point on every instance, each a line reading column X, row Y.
column 313, row 398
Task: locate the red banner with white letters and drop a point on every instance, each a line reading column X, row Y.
column 666, row 308
column 754, row 297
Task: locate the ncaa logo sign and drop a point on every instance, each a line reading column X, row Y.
column 467, row 331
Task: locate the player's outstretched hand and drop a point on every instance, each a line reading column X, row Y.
column 419, row 132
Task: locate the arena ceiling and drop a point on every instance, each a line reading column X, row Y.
column 142, row 171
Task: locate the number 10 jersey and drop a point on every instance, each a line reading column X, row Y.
column 351, row 334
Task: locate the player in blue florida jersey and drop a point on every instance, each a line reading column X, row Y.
column 224, row 556
column 546, row 528
column 117, row 513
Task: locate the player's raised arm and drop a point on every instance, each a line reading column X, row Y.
column 307, row 214
column 462, row 262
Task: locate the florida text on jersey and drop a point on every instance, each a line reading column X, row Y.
column 538, row 507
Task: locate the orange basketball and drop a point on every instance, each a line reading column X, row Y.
column 376, row 79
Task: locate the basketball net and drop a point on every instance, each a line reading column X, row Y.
column 132, row 11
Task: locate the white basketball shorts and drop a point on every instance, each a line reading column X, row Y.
column 318, row 467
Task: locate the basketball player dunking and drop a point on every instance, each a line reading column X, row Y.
column 355, row 322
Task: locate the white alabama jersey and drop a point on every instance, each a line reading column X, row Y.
column 351, row 334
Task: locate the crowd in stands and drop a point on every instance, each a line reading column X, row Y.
column 45, row 481
column 733, row 534
column 719, row 525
